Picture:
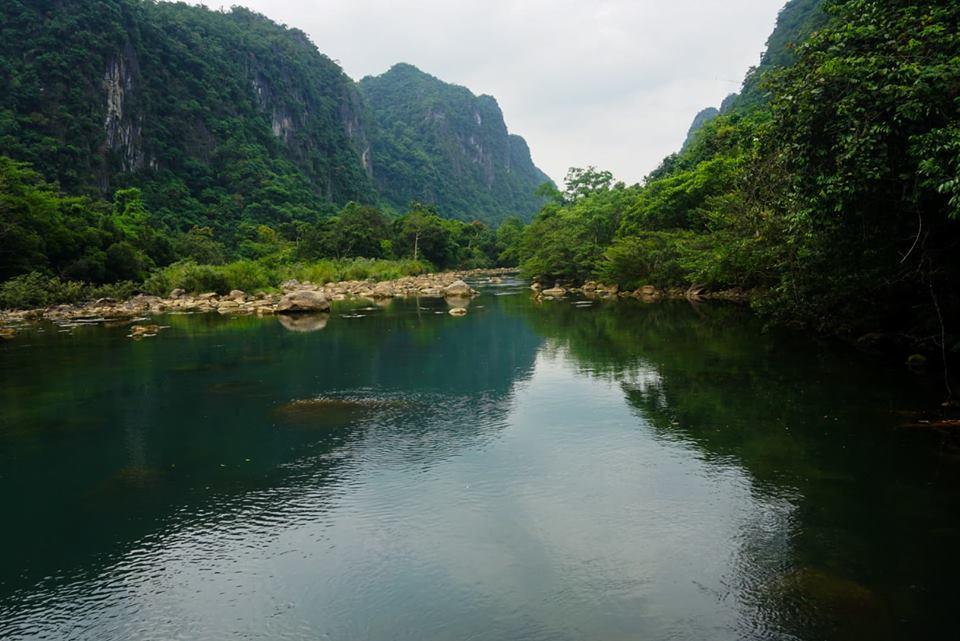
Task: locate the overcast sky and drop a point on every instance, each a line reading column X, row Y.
column 611, row 83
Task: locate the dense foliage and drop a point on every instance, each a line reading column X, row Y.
column 56, row 248
column 224, row 120
column 834, row 198
column 438, row 143
column 218, row 118
column 74, row 236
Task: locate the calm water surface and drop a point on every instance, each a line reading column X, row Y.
column 561, row 472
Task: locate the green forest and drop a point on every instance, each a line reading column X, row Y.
column 59, row 248
column 143, row 141
column 826, row 192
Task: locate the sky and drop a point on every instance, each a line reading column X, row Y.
column 609, row 83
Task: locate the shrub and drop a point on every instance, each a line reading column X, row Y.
column 189, row 276
column 649, row 258
column 253, row 275
column 39, row 290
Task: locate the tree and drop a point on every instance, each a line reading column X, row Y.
column 580, row 183
column 423, row 234
column 361, row 231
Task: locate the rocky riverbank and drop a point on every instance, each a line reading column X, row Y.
column 648, row 293
column 293, row 297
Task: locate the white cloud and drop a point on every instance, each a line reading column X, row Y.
column 613, row 83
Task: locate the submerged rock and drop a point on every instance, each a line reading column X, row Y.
column 839, row 607
column 144, row 331
column 458, row 311
column 324, row 413
column 304, row 300
column 7, row 333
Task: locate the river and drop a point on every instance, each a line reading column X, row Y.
column 528, row 471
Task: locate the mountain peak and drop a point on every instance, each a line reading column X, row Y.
column 438, row 143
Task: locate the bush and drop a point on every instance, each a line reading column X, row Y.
column 649, row 258
column 354, row 269
column 189, row 276
column 39, row 290
column 250, row 275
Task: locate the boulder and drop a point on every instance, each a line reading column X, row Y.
column 458, row 311
column 554, row 292
column 178, row 293
column 237, row 295
column 303, row 301
column 458, row 288
column 383, row 290
column 7, row 333
column 290, row 285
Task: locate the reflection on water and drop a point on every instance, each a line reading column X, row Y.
column 529, row 471
column 304, row 322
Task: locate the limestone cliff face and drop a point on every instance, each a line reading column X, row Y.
column 123, row 122
column 440, row 144
column 353, row 120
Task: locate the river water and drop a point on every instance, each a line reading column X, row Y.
column 529, row 471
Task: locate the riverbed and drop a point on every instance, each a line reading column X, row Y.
column 557, row 469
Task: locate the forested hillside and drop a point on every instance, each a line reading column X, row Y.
column 136, row 134
column 831, row 195
column 218, row 117
column 438, row 143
